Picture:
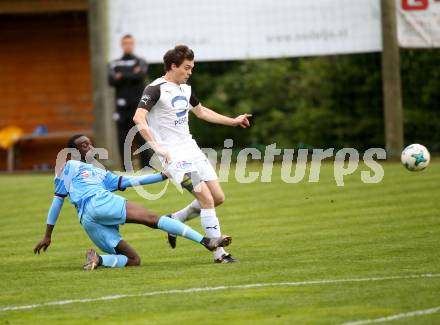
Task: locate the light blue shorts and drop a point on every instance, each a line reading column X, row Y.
column 103, row 213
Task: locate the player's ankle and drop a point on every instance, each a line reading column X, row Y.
column 205, row 242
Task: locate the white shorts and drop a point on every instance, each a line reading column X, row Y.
column 188, row 158
column 200, row 170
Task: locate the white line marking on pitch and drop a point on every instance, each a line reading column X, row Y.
column 206, row 289
column 395, row 317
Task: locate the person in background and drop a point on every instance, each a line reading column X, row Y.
column 127, row 74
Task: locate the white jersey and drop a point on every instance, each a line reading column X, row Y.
column 168, row 105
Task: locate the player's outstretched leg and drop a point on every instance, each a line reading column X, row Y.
column 140, row 215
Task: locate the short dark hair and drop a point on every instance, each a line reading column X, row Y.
column 177, row 55
column 71, row 142
column 127, row 36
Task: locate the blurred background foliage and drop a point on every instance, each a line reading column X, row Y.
column 319, row 102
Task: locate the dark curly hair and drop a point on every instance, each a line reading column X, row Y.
column 177, row 55
column 71, row 142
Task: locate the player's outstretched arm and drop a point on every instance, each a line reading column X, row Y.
column 209, row 115
column 52, row 216
column 130, row 181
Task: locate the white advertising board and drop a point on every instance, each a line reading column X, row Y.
column 243, row 29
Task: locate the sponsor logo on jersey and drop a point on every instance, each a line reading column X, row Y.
column 183, row 165
column 85, row 174
column 182, row 120
column 179, row 102
column 181, row 113
column 145, row 98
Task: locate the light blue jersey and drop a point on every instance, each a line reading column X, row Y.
column 80, row 181
column 99, row 211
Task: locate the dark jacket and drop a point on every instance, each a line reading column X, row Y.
column 130, row 86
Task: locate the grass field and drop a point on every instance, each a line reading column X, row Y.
column 378, row 239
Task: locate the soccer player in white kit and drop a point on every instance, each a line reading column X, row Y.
column 162, row 120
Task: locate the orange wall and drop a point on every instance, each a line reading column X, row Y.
column 45, row 72
column 45, row 78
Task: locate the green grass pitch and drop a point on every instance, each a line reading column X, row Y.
column 281, row 233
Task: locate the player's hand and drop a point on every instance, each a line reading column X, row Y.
column 242, row 120
column 164, row 154
column 118, row 75
column 43, row 244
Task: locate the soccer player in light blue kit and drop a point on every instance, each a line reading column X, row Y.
column 100, row 212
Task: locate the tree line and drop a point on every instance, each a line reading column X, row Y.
column 316, row 102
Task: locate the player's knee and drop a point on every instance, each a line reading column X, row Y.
column 219, row 199
column 152, row 219
column 136, row 261
column 206, row 202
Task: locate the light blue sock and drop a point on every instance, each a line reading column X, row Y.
column 175, row 227
column 114, row 260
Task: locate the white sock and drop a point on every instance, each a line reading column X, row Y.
column 189, row 212
column 219, row 252
column 209, row 221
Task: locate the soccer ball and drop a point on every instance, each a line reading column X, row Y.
column 415, row 157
